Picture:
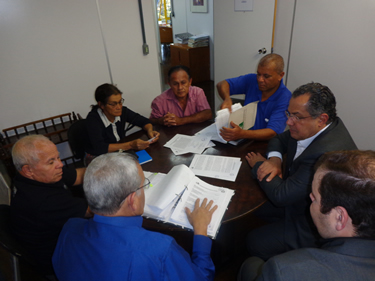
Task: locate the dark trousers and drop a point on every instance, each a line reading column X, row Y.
column 279, row 237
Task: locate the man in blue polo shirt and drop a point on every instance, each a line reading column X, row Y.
column 114, row 245
column 267, row 87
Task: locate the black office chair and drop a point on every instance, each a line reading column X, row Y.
column 77, row 137
column 10, row 244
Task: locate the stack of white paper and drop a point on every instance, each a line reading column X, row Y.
column 218, row 167
column 242, row 116
column 183, row 38
column 181, row 144
column 170, row 194
column 198, row 40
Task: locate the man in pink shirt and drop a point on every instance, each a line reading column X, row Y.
column 182, row 103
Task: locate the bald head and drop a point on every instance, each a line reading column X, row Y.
column 275, row 60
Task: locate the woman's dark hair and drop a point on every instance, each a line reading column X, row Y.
column 103, row 92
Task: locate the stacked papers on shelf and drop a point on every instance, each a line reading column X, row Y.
column 183, row 37
column 198, row 40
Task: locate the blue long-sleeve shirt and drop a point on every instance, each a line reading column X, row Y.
column 118, row 248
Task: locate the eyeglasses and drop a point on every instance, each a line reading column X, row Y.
column 145, row 186
column 113, row 104
column 294, row 117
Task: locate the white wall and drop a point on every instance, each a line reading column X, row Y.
column 283, row 28
column 332, row 44
column 195, row 23
column 238, row 38
column 52, row 56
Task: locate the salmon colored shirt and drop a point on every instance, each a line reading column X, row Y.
column 167, row 102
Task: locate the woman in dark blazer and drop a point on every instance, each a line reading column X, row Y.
column 106, row 124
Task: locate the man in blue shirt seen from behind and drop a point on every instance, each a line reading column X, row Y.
column 114, row 246
column 267, row 87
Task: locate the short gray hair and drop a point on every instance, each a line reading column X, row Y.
column 25, row 151
column 108, row 180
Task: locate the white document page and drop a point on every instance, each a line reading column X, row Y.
column 181, row 144
column 219, row 167
column 245, row 116
column 173, row 184
column 221, row 120
column 200, row 189
column 211, row 131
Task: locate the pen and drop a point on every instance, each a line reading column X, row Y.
column 179, row 197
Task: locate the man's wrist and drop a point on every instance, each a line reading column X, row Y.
column 274, row 154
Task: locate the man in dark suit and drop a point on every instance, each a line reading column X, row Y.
column 343, row 210
column 314, row 129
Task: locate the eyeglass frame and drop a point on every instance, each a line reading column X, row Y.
column 295, row 117
column 115, row 103
column 145, row 186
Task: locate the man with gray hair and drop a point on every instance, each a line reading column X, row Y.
column 314, row 129
column 41, row 202
column 266, row 87
column 114, row 246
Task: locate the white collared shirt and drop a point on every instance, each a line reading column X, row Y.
column 301, row 145
column 106, row 122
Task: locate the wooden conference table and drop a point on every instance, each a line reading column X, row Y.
column 237, row 220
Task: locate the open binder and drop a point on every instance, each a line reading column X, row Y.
column 244, row 117
column 169, row 194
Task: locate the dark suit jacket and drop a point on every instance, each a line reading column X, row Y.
column 338, row 259
column 292, row 192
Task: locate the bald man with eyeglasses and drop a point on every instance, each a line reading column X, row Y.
column 314, row 129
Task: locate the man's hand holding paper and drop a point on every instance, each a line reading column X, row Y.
column 230, row 134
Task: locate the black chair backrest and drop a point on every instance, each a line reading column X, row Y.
column 6, row 239
column 77, row 138
column 13, row 247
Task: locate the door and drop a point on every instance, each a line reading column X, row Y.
column 337, row 50
column 238, row 36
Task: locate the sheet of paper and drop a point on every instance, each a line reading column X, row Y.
column 210, row 131
column 219, row 167
column 245, row 116
column 221, row 120
column 181, row 144
column 200, row 189
column 178, row 178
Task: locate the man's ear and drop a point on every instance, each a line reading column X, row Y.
column 282, row 75
column 342, row 218
column 323, row 118
column 27, row 171
column 133, row 201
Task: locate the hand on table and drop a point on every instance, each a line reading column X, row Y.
column 272, row 167
column 139, row 144
column 252, row 158
column 170, row 119
column 154, row 135
column 201, row 216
